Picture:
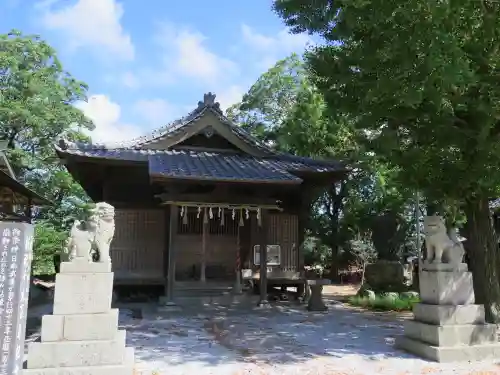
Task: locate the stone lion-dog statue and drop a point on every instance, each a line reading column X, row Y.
column 94, row 234
column 441, row 246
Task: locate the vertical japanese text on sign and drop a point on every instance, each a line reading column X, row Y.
column 15, row 264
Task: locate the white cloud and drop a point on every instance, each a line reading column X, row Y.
column 91, row 23
column 185, row 53
column 255, row 39
column 130, row 80
column 106, row 116
column 157, row 112
column 283, row 41
column 230, row 95
column 270, row 48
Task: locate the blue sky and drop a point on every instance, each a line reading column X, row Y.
column 149, row 64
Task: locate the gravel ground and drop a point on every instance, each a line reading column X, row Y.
column 284, row 340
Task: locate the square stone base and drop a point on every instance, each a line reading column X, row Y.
column 83, row 266
column 459, row 353
column 78, row 353
column 444, row 267
column 449, row 315
column 102, row 370
column 80, row 327
column 83, row 293
column 127, row 368
column 451, row 335
column 446, row 288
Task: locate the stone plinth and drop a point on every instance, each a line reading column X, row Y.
column 443, row 286
column 447, row 325
column 82, row 336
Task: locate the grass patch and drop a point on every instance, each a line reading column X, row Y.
column 384, row 303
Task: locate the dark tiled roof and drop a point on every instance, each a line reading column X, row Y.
column 272, row 162
column 111, row 154
column 181, row 125
column 285, row 162
column 218, row 166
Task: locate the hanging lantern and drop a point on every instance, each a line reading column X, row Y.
column 184, row 213
column 220, row 212
column 211, row 213
column 199, row 212
column 233, row 214
column 241, row 223
column 247, row 213
column 221, row 217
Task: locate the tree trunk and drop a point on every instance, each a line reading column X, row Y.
column 334, row 204
column 482, row 247
column 384, row 229
column 363, row 273
column 334, row 263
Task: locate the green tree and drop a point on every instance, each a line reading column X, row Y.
column 285, row 109
column 379, row 205
column 47, row 239
column 37, row 100
column 422, row 79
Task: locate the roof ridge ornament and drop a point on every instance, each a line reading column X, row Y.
column 209, row 101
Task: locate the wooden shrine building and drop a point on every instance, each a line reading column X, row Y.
column 198, row 199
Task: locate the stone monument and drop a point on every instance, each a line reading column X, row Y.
column 447, row 326
column 82, row 336
column 16, row 251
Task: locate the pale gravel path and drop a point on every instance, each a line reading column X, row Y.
column 284, row 341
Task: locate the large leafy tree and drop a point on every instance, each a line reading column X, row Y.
column 37, row 100
column 285, row 109
column 422, row 78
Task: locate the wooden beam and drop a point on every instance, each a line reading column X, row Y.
column 217, row 198
column 125, row 205
column 158, row 177
column 225, row 205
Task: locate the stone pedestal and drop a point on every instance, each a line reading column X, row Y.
column 82, row 336
column 447, row 325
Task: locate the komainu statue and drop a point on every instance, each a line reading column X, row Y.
column 94, row 234
column 442, row 246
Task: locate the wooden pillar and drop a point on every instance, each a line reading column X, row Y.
column 237, row 282
column 204, row 234
column 302, row 218
column 166, row 249
column 263, row 258
column 174, row 218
